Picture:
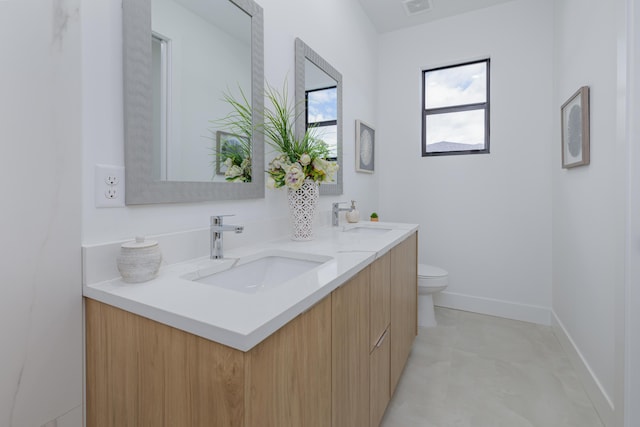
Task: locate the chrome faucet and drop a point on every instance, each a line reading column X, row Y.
column 335, row 212
column 216, row 229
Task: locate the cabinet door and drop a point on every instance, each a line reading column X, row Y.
column 289, row 373
column 350, row 352
column 380, row 390
column 143, row 373
column 404, row 304
column 380, row 298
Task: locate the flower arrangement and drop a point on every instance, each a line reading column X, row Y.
column 298, row 159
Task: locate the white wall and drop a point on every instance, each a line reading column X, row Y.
column 40, row 288
column 351, row 35
column 484, row 218
column 630, row 297
column 588, row 206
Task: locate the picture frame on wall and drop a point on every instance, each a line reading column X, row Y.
column 365, row 147
column 575, row 129
column 225, row 143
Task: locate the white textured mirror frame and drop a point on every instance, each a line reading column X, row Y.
column 142, row 186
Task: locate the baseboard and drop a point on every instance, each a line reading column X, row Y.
column 494, row 307
column 590, row 382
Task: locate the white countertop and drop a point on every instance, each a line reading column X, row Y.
column 242, row 320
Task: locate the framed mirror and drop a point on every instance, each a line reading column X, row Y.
column 180, row 58
column 319, row 103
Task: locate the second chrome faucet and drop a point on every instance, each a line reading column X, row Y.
column 335, row 213
column 216, row 229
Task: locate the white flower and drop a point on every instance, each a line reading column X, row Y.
column 228, row 162
column 305, row 159
column 326, row 169
column 279, row 162
column 233, row 172
column 271, row 183
column 332, row 168
column 320, row 165
column 294, row 176
column 275, row 164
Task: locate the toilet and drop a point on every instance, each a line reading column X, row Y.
column 430, row 280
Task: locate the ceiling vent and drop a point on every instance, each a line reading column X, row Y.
column 414, row 7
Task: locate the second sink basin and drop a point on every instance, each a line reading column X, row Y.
column 260, row 272
column 364, row 230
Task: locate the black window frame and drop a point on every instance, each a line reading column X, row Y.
column 457, row 108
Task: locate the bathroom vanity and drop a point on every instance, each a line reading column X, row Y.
column 324, row 348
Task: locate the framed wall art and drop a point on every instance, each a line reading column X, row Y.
column 229, row 145
column 365, row 147
column 575, row 129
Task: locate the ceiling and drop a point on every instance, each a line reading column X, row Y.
column 390, row 15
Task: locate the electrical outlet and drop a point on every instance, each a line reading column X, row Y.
column 111, row 193
column 109, row 186
column 112, row 179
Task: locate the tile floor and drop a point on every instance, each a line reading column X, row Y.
column 474, row 370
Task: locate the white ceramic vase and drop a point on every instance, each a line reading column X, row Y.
column 302, row 209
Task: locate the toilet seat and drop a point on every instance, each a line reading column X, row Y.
column 430, row 277
column 426, row 271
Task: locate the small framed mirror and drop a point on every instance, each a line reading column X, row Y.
column 180, row 58
column 318, row 95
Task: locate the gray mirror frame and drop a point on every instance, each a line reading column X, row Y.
column 302, row 53
column 141, row 186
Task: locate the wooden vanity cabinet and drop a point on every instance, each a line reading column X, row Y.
column 380, row 298
column 288, row 375
column 350, row 352
column 380, row 390
column 379, row 358
column 379, row 303
column 404, row 304
column 336, row 364
column 143, row 373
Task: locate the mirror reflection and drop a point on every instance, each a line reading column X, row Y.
column 319, row 100
column 321, row 109
column 200, row 50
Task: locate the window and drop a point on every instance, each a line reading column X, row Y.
column 322, row 113
column 455, row 113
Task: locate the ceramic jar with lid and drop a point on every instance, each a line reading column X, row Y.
column 139, row 260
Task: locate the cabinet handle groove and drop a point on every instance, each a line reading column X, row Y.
column 381, row 340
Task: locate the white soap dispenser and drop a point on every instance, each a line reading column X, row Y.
column 353, row 215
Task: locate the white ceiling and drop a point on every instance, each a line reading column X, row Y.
column 390, row 15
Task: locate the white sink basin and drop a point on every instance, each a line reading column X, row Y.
column 364, row 230
column 259, row 273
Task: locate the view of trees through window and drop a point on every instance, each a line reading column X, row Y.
column 455, row 117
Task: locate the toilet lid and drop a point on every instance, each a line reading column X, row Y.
column 425, row 270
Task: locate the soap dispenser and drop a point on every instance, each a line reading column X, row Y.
column 353, row 215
